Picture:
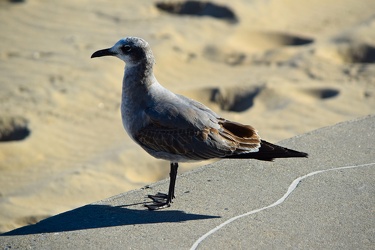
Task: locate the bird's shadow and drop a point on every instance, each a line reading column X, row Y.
column 99, row 216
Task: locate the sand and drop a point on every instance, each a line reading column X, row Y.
column 285, row 67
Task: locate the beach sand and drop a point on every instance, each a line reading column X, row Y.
column 285, row 67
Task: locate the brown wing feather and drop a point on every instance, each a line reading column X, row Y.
column 231, row 138
column 244, row 137
column 193, row 144
column 166, row 140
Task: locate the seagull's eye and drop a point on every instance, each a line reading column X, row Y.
column 125, row 49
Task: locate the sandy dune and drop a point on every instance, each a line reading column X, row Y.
column 285, row 67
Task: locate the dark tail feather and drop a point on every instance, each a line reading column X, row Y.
column 268, row 152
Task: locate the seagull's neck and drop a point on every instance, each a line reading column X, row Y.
column 138, row 77
column 136, row 95
column 138, row 87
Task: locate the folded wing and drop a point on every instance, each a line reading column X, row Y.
column 224, row 139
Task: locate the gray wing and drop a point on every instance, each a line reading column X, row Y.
column 190, row 129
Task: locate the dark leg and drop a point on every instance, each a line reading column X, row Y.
column 163, row 200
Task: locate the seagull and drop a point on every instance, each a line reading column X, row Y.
column 175, row 128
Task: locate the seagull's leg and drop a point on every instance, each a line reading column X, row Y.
column 172, row 183
column 164, row 200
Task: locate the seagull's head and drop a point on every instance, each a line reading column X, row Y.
column 132, row 50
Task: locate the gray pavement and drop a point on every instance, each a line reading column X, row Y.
column 331, row 206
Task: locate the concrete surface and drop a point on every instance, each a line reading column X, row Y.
column 324, row 202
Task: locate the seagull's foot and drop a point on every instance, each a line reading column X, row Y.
column 158, row 198
column 158, row 206
column 160, row 201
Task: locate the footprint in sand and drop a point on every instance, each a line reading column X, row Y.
column 198, row 8
column 270, row 40
column 348, row 52
column 362, row 53
column 13, row 129
column 322, row 93
column 235, row 99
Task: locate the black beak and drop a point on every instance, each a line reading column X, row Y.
column 103, row 52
